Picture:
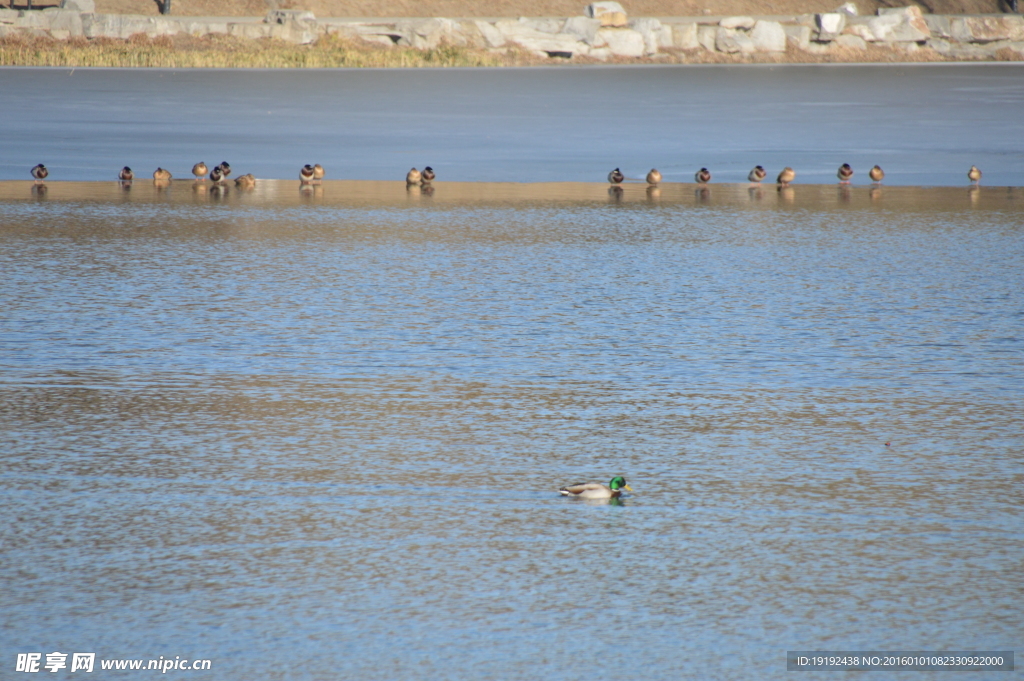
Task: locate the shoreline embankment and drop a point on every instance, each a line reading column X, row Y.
column 74, row 35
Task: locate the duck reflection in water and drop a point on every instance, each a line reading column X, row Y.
column 703, row 194
column 787, row 194
column 615, row 193
column 653, row 194
column 755, row 193
column 844, row 193
column 875, row 194
column 39, row 191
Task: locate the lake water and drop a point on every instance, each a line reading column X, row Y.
column 317, row 433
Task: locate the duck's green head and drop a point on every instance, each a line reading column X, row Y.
column 619, row 482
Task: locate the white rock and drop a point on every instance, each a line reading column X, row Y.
column 650, row 29
column 583, row 28
column 830, row 25
column 768, row 36
column 602, row 53
column 737, row 22
column 706, row 37
column 623, row 42
column 684, row 36
column 249, row 30
column 40, row 20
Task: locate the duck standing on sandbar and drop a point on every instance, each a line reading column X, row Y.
column 225, row 169
column 427, row 176
column 654, row 177
column 199, row 170
column 844, row 173
column 757, row 174
column 247, row 181
column 595, row 490
column 413, row 177
column 786, row 176
column 306, row 174
column 876, row 174
column 318, row 172
column 702, row 176
column 616, row 176
column 39, row 172
column 126, row 174
column 974, row 175
column 161, row 175
column 216, row 175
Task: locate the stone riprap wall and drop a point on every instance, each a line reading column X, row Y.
column 602, row 32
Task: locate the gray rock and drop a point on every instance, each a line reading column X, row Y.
column 429, row 33
column 731, row 41
column 8, row 16
column 798, row 35
column 249, row 30
column 583, row 28
column 491, row 34
column 80, row 6
column 830, row 25
column 737, row 22
column 706, row 37
column 543, row 25
column 986, row 29
column 283, row 16
column 623, row 42
column 768, row 36
column 853, row 41
column 67, row 22
column 37, row 20
column 901, row 24
column 595, row 9
column 938, row 24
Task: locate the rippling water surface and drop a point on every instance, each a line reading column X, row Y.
column 319, row 434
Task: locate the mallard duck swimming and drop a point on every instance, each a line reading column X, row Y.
column 844, row 173
column 654, row 177
column 616, row 176
column 876, row 174
column 161, row 174
column 757, row 174
column 306, row 174
column 126, row 174
column 974, row 175
column 216, row 175
column 786, row 176
column 413, row 177
column 247, row 181
column 40, row 172
column 595, row 490
column 225, row 169
column 702, row 176
column 318, row 172
column 427, row 175
column 200, row 170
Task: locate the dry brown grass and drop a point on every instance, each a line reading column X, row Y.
column 231, row 52
column 185, row 51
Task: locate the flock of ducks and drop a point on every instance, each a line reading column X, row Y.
column 787, row 175
column 311, row 174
